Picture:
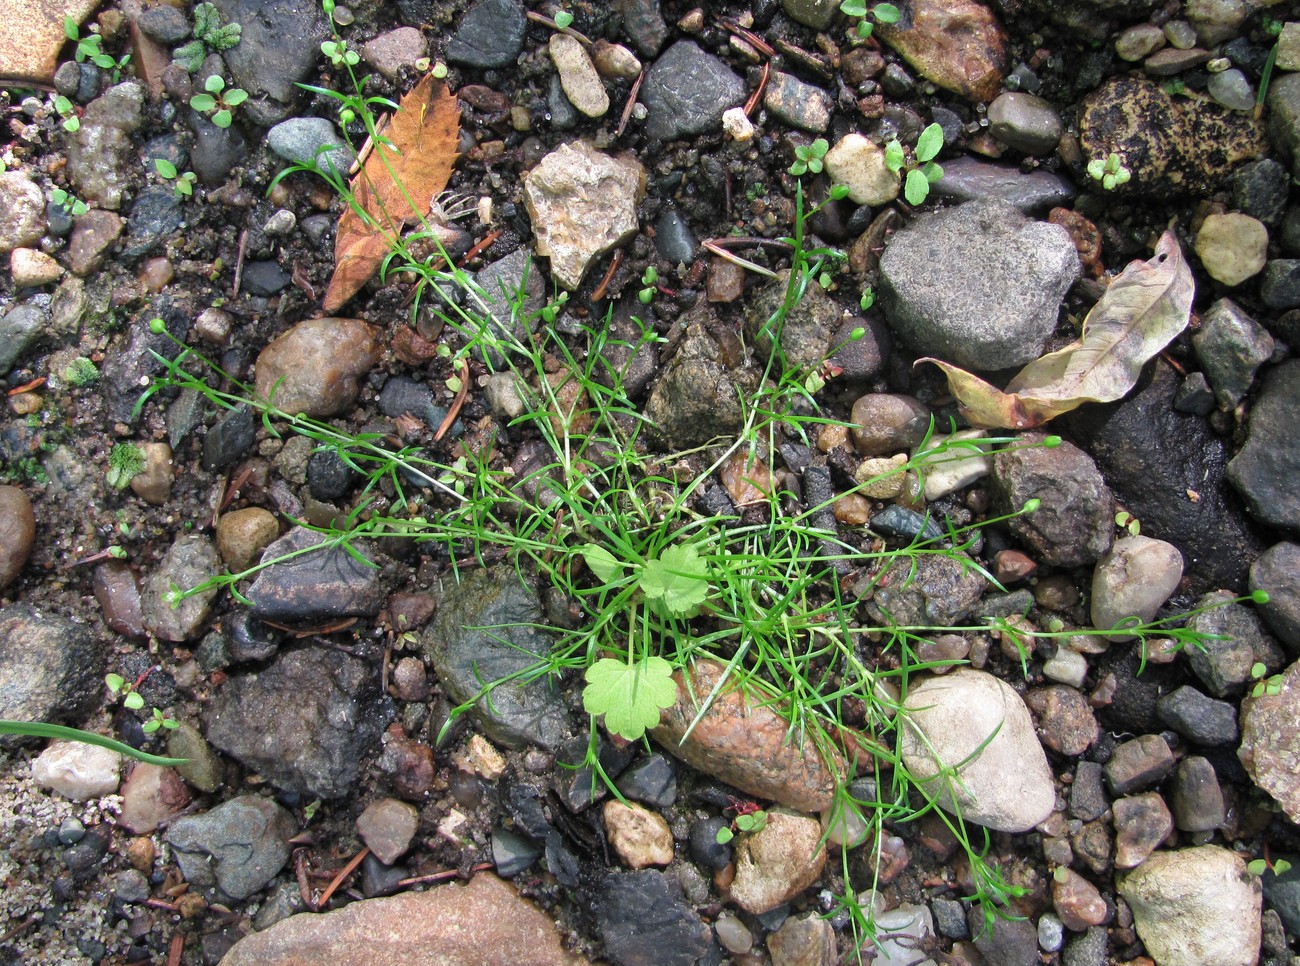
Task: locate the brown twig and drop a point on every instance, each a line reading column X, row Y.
column 28, row 387
column 34, row 918
column 239, row 262
column 752, row 104
column 304, row 886
column 162, row 904
column 631, row 103
column 456, row 403
column 176, row 948
column 598, row 292
column 442, row 876
column 481, row 246
column 747, row 35
column 344, row 872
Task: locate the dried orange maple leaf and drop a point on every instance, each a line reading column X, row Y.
column 415, row 164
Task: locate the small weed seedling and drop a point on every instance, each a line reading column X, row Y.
column 131, row 699
column 1260, row 866
column 925, row 171
column 868, row 298
column 68, row 111
column 880, row 12
column 1109, row 171
column 218, row 102
column 1264, row 685
column 339, row 54
column 183, row 183
column 91, row 48
column 210, row 35
column 563, row 20
column 650, row 279
column 69, row 202
column 1128, row 523
column 809, row 157
column 749, row 818
column 125, row 462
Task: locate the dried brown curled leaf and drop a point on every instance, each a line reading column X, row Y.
column 1146, row 306
column 396, row 185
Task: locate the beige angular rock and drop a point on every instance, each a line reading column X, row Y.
column 22, row 209
column 1005, row 785
column 1133, row 579
column 32, row 267
column 1270, row 741
column 859, row 164
column 154, row 484
column 77, row 771
column 31, row 36
column 151, row 795
column 17, row 533
column 485, row 923
column 315, row 367
column 803, row 941
column 578, row 76
column 744, row 743
column 582, row 203
column 1196, row 906
column 1232, row 247
column 776, row 863
column 387, row 826
column 958, row 44
column 639, row 836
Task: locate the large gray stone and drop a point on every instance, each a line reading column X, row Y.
column 1265, row 469
column 238, row 847
column 979, row 285
column 101, row 157
column 49, row 668
column 305, row 722
column 485, row 632
column 1277, row 573
column 316, row 586
column 686, row 91
column 278, row 49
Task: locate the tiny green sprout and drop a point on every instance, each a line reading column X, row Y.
column 1109, row 171
column 68, row 112
column 159, row 720
column 563, row 20
column 650, row 279
column 858, row 333
column 1061, row 874
column 1051, row 442
column 1127, row 521
column 1259, row 597
column 339, row 53
column 125, row 461
column 184, row 186
column 808, row 157
column 71, row 204
column 115, row 682
column 1032, row 504
column 454, row 383
column 882, row 13
column 868, row 298
column 133, row 701
column 440, row 70
column 117, row 553
column 1264, row 685
column 218, row 102
column 1260, row 866
column 157, row 326
column 551, row 311
column 839, row 192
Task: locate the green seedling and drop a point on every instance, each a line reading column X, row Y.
column 69, row 202
column 563, row 20
column 339, row 53
column 211, row 34
column 132, row 699
column 809, row 157
column 183, row 183
column 1109, row 171
column 746, row 821
column 880, row 13
column 68, row 111
column 868, row 298
column 1260, row 866
column 91, row 48
column 1128, row 523
column 924, row 171
column 125, row 462
column 650, row 279
column 1264, row 685
column 218, row 102
column 552, row 309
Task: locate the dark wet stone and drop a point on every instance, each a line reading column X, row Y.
column 949, row 918
column 490, row 34
column 250, row 639
column 1198, row 800
column 704, row 845
column 1138, row 764
column 1283, row 893
column 513, row 853
column 1234, row 640
column 1008, row 942
column 317, row 586
column 1265, row 469
column 627, row 351
column 378, row 879
column 652, row 780
column 1194, row 395
column 562, row 860
column 1136, row 690
column 696, row 398
column 20, row 328
column 644, row 921
column 485, row 631
column 328, row 477
column 1199, row 718
column 1088, row 949
column 1259, row 189
column 644, row 24
column 216, row 150
column 238, row 847
column 674, row 239
column 264, row 278
column 905, row 524
column 860, row 359
column 527, row 807
column 1277, row 573
column 304, row 723
column 559, row 109
column 1075, row 522
column 127, row 366
column 402, row 395
column 1230, row 346
column 686, row 91
column 230, row 437
column 279, row 47
column 1152, row 455
column 49, row 668
column 580, row 787
column 167, row 25
column 83, row 859
column 940, row 591
column 155, row 214
column 1279, row 284
column 1088, row 799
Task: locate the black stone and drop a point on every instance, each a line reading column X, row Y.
column 229, row 438
column 1007, row 942
column 1277, row 573
column 1199, row 718
column 216, row 150
column 674, row 240
column 328, row 477
column 562, row 860
column 652, row 781
column 250, row 639
column 491, row 34
column 51, row 668
column 950, row 918
column 378, row 879
column 686, row 92
column 513, row 853
column 897, row 521
column 326, row 583
column 644, row 921
column 167, row 25
column 1279, row 285
column 1259, row 189
column 1088, row 799
column 528, row 809
column 704, row 845
column 265, row 278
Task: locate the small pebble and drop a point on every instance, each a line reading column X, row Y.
column 1232, row 89
column 31, row 267
column 1138, row 42
column 578, row 75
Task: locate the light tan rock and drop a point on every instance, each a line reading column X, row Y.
column 154, row 483
column 22, row 206
column 485, row 923
column 77, row 771
column 31, row 36
column 859, row 164
column 578, row 76
column 639, row 836
column 17, row 533
column 387, row 826
column 32, row 267
column 242, row 535
column 315, row 367
column 958, row 44
column 1232, row 247
column 1270, row 742
column 776, row 863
